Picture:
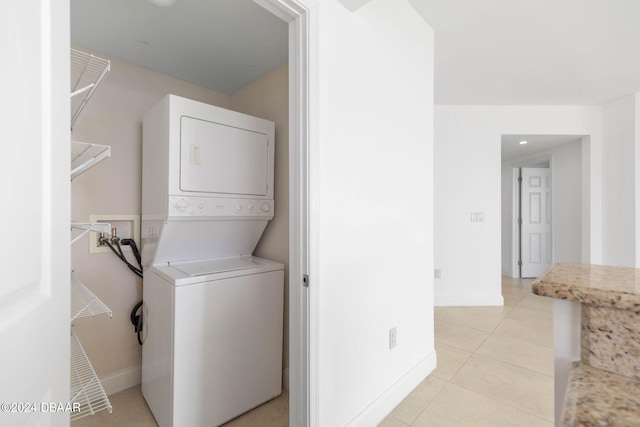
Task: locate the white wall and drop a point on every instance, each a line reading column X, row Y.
column 619, row 182
column 566, row 195
column 637, row 177
column 468, row 178
column 375, row 203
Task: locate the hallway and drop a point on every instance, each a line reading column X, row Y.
column 495, row 366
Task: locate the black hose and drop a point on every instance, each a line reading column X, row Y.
column 136, row 319
column 133, row 316
column 125, row 259
column 120, row 255
column 134, row 248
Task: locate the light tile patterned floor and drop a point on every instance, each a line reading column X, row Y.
column 495, row 368
column 131, row 410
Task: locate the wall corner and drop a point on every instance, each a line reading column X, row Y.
column 354, row 5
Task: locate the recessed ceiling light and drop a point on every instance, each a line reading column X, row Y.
column 522, row 142
column 162, row 3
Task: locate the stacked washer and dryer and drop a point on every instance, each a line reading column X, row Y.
column 213, row 313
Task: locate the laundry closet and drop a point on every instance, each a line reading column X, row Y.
column 114, row 188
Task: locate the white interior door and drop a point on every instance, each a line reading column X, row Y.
column 535, row 213
column 34, row 177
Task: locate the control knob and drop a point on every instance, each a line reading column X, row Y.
column 182, row 205
column 265, row 207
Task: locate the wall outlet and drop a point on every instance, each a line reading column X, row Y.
column 437, row 274
column 393, row 337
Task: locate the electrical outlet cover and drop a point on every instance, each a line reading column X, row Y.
column 393, row 337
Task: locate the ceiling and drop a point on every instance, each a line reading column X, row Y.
column 512, row 150
column 534, row 52
column 502, row 52
column 222, row 45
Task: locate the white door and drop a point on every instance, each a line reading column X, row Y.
column 535, row 214
column 34, row 182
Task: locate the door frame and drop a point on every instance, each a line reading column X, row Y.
column 303, row 314
column 515, row 226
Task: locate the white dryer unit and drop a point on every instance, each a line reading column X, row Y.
column 207, row 180
column 213, row 313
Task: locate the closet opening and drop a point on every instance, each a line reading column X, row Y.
column 159, row 50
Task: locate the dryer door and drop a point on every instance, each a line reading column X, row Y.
column 221, row 159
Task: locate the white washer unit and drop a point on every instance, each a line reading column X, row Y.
column 213, row 313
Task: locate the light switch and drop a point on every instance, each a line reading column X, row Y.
column 477, row 216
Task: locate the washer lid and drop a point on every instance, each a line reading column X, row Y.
column 217, row 265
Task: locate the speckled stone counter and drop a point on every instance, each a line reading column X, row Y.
column 609, row 367
column 595, row 397
column 616, row 287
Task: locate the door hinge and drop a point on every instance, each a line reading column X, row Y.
column 519, row 179
column 305, row 280
column 519, row 263
column 519, row 221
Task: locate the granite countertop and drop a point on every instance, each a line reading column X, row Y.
column 599, row 398
column 617, row 287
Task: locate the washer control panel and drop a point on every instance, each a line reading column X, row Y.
column 218, row 207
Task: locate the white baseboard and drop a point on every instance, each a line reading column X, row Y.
column 510, row 273
column 122, row 380
column 384, row 404
column 468, row 300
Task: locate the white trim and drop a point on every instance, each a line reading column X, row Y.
column 301, row 15
column 122, row 380
column 515, row 230
column 384, row 404
column 285, row 379
column 465, row 300
column 287, row 11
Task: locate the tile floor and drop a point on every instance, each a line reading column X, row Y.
column 495, row 368
column 131, row 410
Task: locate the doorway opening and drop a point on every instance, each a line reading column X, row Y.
column 295, row 14
column 554, row 200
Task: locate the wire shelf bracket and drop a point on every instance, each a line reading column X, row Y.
column 84, row 303
column 98, row 227
column 87, row 72
column 85, row 155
